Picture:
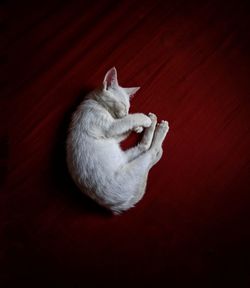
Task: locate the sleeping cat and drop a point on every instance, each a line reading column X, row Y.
column 114, row 178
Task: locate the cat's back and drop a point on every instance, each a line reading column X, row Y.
column 88, row 149
column 88, row 122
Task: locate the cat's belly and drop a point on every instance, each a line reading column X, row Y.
column 107, row 153
column 87, row 157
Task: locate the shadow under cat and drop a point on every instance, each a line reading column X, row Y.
column 68, row 191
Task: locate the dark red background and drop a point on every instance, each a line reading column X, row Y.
column 191, row 59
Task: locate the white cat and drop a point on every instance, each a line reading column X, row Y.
column 114, row 178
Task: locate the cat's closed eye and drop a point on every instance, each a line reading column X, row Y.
column 120, row 110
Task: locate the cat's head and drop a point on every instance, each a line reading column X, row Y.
column 115, row 98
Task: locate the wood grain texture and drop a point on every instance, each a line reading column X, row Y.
column 191, row 59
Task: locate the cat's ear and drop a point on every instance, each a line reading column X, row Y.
column 131, row 91
column 110, row 79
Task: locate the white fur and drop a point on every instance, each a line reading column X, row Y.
column 114, row 178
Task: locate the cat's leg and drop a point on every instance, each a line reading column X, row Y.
column 148, row 133
column 146, row 140
column 136, row 171
column 139, row 129
column 127, row 123
column 123, row 136
column 159, row 136
column 154, row 153
column 131, row 180
column 147, row 136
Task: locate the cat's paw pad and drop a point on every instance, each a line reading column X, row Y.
column 163, row 126
column 138, row 129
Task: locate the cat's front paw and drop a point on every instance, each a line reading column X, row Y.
column 140, row 119
column 138, row 129
column 146, row 120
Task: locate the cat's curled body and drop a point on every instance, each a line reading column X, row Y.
column 114, row 178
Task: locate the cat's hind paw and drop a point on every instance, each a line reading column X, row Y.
column 162, row 129
column 152, row 116
column 164, row 125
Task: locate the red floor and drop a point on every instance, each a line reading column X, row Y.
column 191, row 59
